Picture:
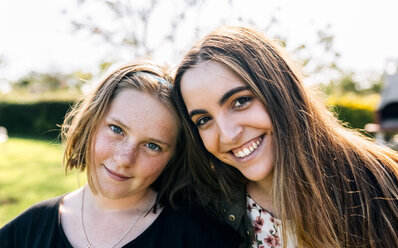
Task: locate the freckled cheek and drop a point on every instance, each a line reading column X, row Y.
column 153, row 168
column 103, row 148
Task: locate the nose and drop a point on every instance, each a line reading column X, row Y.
column 125, row 154
column 229, row 130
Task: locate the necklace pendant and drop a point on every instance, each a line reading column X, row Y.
column 90, row 245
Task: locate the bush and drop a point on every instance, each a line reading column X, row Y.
column 353, row 109
column 354, row 117
column 41, row 118
column 33, row 119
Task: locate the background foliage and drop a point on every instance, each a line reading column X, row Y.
column 33, row 119
column 31, row 171
column 353, row 109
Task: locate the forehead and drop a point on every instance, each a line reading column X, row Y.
column 212, row 72
column 209, row 80
column 143, row 114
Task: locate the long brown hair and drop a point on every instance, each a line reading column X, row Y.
column 332, row 186
column 82, row 121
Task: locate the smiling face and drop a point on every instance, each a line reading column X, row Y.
column 232, row 122
column 134, row 142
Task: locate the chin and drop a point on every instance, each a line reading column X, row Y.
column 254, row 178
column 256, row 175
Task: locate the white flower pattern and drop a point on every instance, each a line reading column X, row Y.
column 266, row 227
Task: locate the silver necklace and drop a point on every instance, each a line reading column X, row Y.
column 89, row 244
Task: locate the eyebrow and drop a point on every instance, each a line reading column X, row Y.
column 120, row 123
column 197, row 112
column 230, row 93
column 223, row 99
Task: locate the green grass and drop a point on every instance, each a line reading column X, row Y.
column 31, row 171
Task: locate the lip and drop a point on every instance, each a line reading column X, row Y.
column 116, row 176
column 251, row 155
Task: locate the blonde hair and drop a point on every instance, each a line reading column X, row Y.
column 332, row 186
column 81, row 123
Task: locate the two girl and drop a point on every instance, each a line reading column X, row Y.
column 258, row 150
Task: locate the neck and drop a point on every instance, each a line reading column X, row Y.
column 134, row 202
column 99, row 213
column 261, row 192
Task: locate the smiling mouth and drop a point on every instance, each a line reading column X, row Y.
column 248, row 148
column 115, row 175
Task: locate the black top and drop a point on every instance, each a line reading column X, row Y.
column 40, row 226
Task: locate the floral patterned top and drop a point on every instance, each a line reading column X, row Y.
column 266, row 228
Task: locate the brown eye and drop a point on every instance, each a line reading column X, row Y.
column 202, row 121
column 242, row 101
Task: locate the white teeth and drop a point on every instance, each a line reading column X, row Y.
column 247, row 151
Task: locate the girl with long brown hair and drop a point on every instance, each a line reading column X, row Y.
column 291, row 174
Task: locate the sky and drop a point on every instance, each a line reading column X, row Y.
column 36, row 36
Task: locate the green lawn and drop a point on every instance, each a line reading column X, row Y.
column 31, row 171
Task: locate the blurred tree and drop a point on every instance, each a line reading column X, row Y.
column 320, row 57
column 347, row 83
column 375, row 86
column 78, row 78
column 126, row 23
column 139, row 28
column 39, row 82
column 36, row 83
column 344, row 84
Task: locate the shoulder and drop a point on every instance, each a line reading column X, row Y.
column 235, row 215
column 199, row 227
column 41, row 209
column 31, row 221
column 45, row 205
column 38, row 210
